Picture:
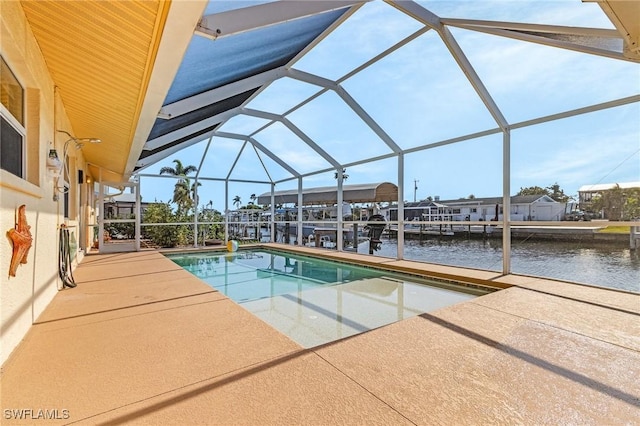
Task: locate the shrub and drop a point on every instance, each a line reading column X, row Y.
column 163, row 236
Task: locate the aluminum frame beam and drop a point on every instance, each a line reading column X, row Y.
column 428, row 18
column 150, row 175
column 218, row 94
column 171, row 137
column 346, row 98
column 237, row 21
column 154, row 158
column 233, row 166
column 262, row 148
column 295, row 130
column 585, row 40
column 506, row 202
column 204, row 155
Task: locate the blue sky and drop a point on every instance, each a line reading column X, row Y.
column 419, row 95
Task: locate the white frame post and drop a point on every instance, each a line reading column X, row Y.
column 100, row 212
column 400, row 234
column 506, row 202
column 300, row 200
column 138, row 215
column 340, row 200
column 226, row 210
column 273, row 213
column 195, row 213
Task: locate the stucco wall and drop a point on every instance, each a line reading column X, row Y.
column 24, row 297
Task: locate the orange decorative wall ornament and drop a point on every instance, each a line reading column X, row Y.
column 21, row 239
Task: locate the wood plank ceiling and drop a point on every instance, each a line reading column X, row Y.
column 100, row 55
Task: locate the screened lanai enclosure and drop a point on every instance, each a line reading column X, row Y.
column 443, row 100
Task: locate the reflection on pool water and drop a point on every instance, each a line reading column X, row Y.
column 315, row 301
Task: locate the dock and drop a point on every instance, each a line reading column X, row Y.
column 540, row 232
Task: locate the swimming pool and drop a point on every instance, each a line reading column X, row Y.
column 315, row 301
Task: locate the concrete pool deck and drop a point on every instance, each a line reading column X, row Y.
column 141, row 341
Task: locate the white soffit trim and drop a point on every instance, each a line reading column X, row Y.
column 249, row 18
column 625, row 15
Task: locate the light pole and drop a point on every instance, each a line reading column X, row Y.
column 415, row 189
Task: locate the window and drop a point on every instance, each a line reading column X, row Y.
column 12, row 129
column 11, row 152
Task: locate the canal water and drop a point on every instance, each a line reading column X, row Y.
column 605, row 265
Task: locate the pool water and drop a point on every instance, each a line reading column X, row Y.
column 315, row 301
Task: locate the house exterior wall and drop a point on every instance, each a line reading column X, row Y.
column 540, row 211
column 24, row 297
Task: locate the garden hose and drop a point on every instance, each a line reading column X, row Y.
column 64, row 259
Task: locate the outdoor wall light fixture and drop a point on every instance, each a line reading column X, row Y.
column 54, row 165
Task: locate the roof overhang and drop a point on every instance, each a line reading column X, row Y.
column 625, row 15
column 232, row 57
column 112, row 63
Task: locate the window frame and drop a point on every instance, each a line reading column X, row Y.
column 13, row 121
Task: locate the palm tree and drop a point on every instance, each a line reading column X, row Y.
column 181, row 194
column 236, row 201
column 179, row 170
column 253, row 198
column 182, row 190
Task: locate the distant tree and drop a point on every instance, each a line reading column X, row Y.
column 533, row 190
column 182, row 189
column 237, row 201
column 631, row 208
column 210, row 230
column 618, row 203
column 179, row 170
column 182, row 195
column 471, row 197
column 252, row 197
column 554, row 191
column 251, row 207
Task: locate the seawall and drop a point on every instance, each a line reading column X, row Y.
column 530, row 232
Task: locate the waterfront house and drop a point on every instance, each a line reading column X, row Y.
column 523, row 208
column 123, row 206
